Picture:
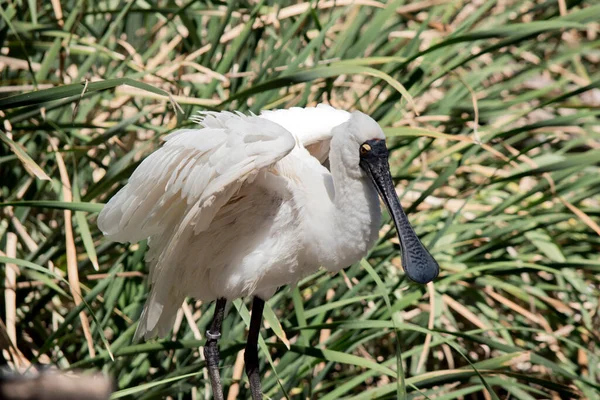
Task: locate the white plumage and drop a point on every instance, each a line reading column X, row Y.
column 247, row 204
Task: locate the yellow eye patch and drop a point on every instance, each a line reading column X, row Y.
column 365, row 148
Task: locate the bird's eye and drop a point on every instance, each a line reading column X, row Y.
column 364, row 149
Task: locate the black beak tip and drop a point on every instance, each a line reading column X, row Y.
column 424, row 277
column 421, row 272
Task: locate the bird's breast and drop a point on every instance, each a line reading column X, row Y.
column 345, row 233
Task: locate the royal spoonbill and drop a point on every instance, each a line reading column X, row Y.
column 250, row 203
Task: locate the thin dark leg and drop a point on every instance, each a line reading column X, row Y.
column 211, row 349
column 251, row 353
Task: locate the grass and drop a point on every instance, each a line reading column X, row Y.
column 492, row 114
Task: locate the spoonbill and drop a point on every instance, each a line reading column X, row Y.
column 250, row 203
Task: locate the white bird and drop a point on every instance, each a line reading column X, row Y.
column 251, row 203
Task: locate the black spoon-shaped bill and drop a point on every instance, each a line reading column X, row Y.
column 419, row 265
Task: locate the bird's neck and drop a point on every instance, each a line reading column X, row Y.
column 357, row 212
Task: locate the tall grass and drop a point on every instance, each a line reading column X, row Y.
column 496, row 152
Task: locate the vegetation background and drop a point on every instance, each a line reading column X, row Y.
column 492, row 113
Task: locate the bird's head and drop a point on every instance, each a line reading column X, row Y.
column 365, row 151
column 351, row 135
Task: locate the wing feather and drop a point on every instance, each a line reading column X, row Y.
column 177, row 191
column 193, row 164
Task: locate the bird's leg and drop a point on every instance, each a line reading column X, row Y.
column 251, row 353
column 211, row 349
